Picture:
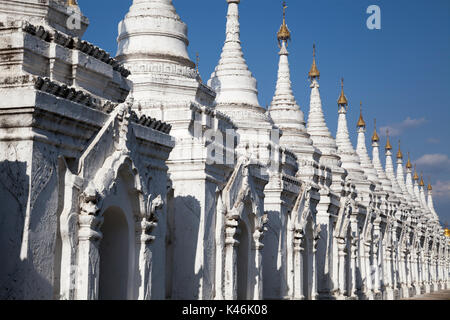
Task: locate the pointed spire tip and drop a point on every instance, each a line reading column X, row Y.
column 388, row 142
column 314, row 72
column 342, row 99
column 284, row 34
column 375, row 137
column 416, row 176
column 422, row 183
column 409, row 164
column 361, row 123
column 399, row 153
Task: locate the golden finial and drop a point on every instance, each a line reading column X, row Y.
column 388, row 142
column 283, row 34
column 447, row 231
column 416, row 176
column 342, row 99
column 72, row 3
column 375, row 137
column 409, row 164
column 197, row 60
column 430, row 188
column 361, row 122
column 422, row 184
column 399, row 153
column 314, row 72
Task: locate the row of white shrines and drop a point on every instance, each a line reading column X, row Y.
column 107, row 194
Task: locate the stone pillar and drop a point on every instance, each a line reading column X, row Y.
column 390, row 286
column 89, row 238
column 376, row 260
column 434, row 271
column 419, row 271
column 354, row 254
column 353, row 265
column 324, row 250
column 405, row 282
column 411, row 273
column 413, row 261
column 315, row 293
column 298, row 266
column 230, row 281
column 427, row 272
column 395, row 262
column 402, row 271
column 144, row 267
column 342, row 265
column 256, row 269
column 335, row 267
column 368, row 271
column 375, row 253
column 446, row 268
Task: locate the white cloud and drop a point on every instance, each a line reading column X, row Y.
column 441, row 189
column 397, row 129
column 436, row 160
column 441, row 199
column 433, row 140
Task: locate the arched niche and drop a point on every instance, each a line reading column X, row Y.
column 114, row 253
column 308, row 260
column 117, row 248
column 243, row 255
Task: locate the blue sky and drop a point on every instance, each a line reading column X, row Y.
column 401, row 73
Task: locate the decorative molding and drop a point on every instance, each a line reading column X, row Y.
column 74, row 44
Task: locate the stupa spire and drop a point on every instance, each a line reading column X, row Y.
column 284, row 110
column 422, row 192
column 283, row 93
column 416, row 184
column 361, row 150
column 387, row 184
column 350, row 159
column 410, row 183
column 409, row 177
column 375, row 137
column 388, row 142
column 284, row 34
column 317, row 127
column 409, row 164
column 361, row 123
column 342, row 101
column 390, row 167
column 314, row 72
column 430, row 203
column 401, row 172
column 232, row 79
column 152, row 44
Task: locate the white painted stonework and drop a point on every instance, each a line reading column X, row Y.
column 131, row 178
